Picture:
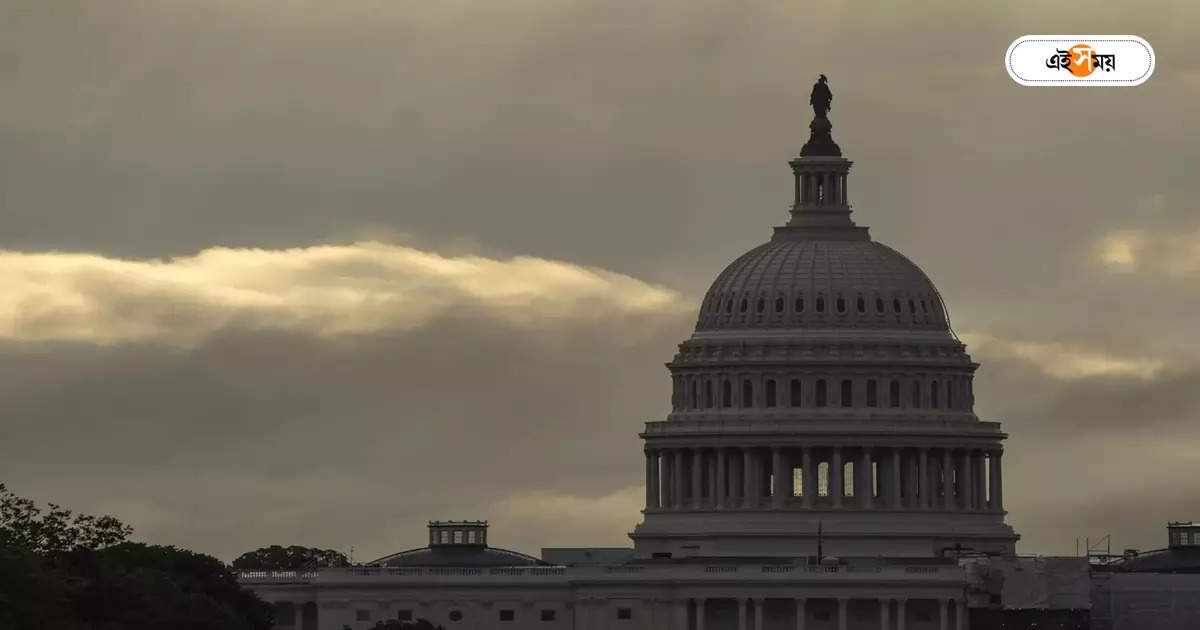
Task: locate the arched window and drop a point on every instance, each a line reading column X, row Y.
column 895, row 305
column 862, row 305
column 729, row 306
column 747, row 393
column 872, row 395
column 847, row 392
column 760, row 306
column 708, row 395
column 933, row 394
column 911, row 307
column 770, row 393
column 821, row 394
column 878, row 305
column 894, row 393
column 778, row 305
column 924, row 308
column 726, row 394
column 745, row 305
column 794, row 396
column 800, row 304
column 841, row 304
column 820, row 304
column 950, row 393
column 916, row 394
column 693, row 392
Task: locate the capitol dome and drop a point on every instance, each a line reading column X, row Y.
column 794, row 281
column 823, row 385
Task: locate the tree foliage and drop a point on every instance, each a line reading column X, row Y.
column 77, row 572
column 22, row 524
column 276, row 557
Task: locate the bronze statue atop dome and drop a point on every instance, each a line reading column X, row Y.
column 821, row 97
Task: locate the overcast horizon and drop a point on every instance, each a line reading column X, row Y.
column 299, row 272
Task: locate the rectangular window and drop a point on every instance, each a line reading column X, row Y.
column 458, row 539
column 847, row 393
column 445, row 537
column 362, row 615
column 506, row 615
column 624, row 613
column 404, row 615
column 471, row 537
column 547, row 615
column 796, row 400
column 872, row 395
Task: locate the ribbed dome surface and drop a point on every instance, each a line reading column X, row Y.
column 802, row 282
column 458, row 557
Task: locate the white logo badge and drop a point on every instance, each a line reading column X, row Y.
column 1079, row 60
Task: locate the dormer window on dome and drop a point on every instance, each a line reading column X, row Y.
column 458, row 533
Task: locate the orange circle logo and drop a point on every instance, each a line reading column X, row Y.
column 1082, row 63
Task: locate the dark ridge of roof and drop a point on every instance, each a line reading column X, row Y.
column 1176, row 560
column 458, row 556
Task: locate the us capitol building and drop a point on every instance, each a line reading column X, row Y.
column 822, row 468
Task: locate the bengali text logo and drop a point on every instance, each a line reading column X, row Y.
column 1097, row 60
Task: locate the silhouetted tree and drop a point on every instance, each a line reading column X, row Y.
column 276, row 557
column 133, row 585
column 75, row 572
column 22, row 525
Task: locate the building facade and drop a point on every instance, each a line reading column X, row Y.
column 822, row 467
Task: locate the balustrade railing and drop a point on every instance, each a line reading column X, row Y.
column 667, row 571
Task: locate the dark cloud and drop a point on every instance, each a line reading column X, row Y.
column 385, row 431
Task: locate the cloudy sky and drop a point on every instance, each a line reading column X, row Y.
column 309, row 272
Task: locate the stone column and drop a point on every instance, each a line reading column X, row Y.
column 943, row 616
column 966, row 485
column 699, row 613
column 960, row 614
column 801, row 612
column 864, row 487
column 809, row 476
column 697, row 474
column 747, row 479
column 885, row 609
column 901, row 617
column 722, row 480
column 681, row 613
column 711, row 467
column 758, row 613
column 947, row 480
column 741, row 613
column 895, row 474
column 651, row 482
column 677, row 478
column 997, row 482
column 923, row 474
column 912, row 480
column 841, row 614
column 836, row 487
column 780, row 484
column 980, row 481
